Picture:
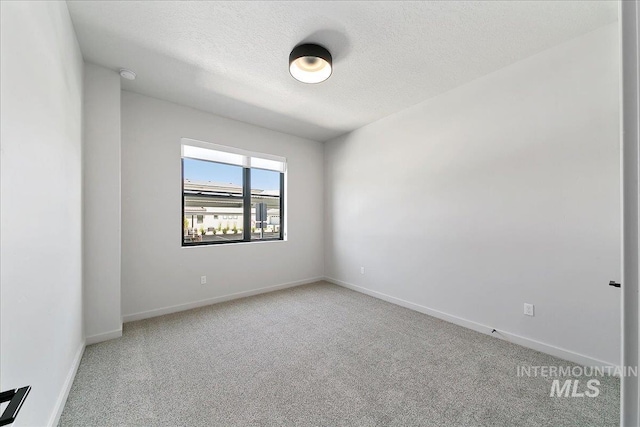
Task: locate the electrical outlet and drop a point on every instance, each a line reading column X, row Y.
column 203, row 280
column 361, row 270
column 528, row 309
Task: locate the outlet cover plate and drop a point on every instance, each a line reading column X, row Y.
column 528, row 309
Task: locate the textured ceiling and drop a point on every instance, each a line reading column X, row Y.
column 231, row 58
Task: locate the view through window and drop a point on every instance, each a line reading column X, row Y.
column 227, row 203
column 265, row 204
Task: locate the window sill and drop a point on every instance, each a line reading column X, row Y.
column 209, row 244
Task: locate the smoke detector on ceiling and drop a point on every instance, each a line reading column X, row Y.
column 127, row 74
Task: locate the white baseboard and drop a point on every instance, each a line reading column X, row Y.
column 552, row 350
column 209, row 301
column 105, row 336
column 66, row 388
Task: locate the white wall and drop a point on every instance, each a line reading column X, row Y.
column 41, row 133
column 511, row 185
column 156, row 271
column 101, row 203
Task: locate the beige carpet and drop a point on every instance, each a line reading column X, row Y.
column 318, row 355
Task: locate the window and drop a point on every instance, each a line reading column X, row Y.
column 265, row 204
column 230, row 195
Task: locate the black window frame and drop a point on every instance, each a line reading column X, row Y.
column 246, row 209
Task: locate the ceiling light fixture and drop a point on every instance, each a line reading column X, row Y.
column 127, row 74
column 310, row 63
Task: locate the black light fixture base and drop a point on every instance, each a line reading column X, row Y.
column 310, row 49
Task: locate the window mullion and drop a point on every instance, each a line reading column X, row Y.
column 246, row 208
column 281, row 206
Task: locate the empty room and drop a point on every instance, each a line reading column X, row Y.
column 318, row 213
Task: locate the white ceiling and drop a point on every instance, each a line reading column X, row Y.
column 231, row 58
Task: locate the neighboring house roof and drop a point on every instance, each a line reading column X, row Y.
column 220, row 187
column 209, row 198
